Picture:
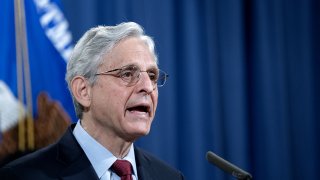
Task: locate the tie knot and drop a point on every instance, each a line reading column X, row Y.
column 122, row 168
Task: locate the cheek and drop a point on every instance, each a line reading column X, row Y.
column 108, row 98
column 117, row 99
column 155, row 100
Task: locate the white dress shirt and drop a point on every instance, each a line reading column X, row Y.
column 100, row 157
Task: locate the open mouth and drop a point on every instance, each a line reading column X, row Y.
column 140, row 108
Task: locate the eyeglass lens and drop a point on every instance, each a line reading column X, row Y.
column 131, row 74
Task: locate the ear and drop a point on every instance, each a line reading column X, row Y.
column 81, row 90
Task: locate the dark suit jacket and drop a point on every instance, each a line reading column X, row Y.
column 66, row 160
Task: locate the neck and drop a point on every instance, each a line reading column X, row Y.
column 118, row 146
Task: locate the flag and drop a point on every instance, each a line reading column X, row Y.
column 49, row 45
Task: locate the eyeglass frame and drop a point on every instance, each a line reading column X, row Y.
column 134, row 82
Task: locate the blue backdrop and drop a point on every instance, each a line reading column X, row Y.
column 244, row 81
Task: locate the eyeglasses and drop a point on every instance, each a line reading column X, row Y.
column 131, row 75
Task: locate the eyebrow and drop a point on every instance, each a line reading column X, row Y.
column 152, row 67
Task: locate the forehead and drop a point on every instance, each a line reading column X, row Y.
column 130, row 51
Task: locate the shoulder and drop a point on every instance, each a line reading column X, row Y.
column 30, row 164
column 41, row 163
column 159, row 168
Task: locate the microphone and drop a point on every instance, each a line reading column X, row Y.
column 227, row 166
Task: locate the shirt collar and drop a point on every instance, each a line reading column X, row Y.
column 99, row 156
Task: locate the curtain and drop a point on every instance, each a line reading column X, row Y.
column 244, row 81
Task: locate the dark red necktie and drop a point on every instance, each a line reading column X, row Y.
column 123, row 169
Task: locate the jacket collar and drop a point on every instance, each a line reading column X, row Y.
column 69, row 153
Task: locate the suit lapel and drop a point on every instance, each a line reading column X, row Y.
column 144, row 173
column 76, row 164
column 144, row 168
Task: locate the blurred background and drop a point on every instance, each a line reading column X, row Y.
column 244, row 77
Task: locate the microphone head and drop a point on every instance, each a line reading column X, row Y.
column 227, row 166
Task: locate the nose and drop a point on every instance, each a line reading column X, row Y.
column 145, row 84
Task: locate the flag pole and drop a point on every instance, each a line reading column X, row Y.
column 25, row 52
column 23, row 77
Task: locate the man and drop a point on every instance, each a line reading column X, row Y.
column 113, row 77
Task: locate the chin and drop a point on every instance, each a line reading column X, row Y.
column 143, row 132
column 138, row 128
column 133, row 136
column 139, row 132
